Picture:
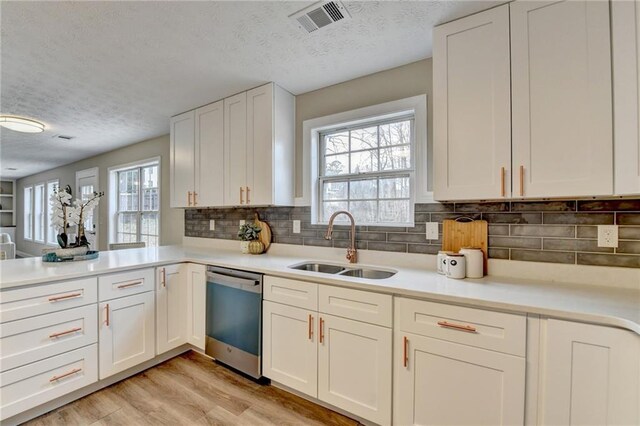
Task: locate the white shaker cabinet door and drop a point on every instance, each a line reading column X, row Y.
column 444, row 383
column 182, row 158
column 625, row 30
column 235, row 149
column 590, row 375
column 472, row 101
column 196, row 305
column 561, row 98
column 354, row 367
column 260, row 151
column 209, row 158
column 289, row 347
column 171, row 307
column 127, row 332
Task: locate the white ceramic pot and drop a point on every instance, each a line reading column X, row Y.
column 244, row 247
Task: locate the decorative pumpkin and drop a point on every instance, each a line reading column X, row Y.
column 256, row 247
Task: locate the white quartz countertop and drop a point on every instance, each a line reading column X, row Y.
column 606, row 304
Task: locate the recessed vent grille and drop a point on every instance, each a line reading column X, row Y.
column 63, row 137
column 319, row 15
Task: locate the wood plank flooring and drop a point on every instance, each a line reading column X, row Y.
column 191, row 390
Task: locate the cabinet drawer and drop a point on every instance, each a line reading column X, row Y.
column 36, row 338
column 374, row 308
column 301, row 294
column 35, row 300
column 34, row 384
column 474, row 327
column 125, row 283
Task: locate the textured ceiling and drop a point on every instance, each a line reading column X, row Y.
column 112, row 73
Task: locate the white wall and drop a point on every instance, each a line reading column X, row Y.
column 172, row 220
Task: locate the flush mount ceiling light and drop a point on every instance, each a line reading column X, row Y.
column 20, row 124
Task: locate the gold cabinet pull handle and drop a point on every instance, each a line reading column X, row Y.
column 131, row 284
column 64, row 297
column 405, row 351
column 195, row 198
column 522, row 181
column 248, row 201
column 62, row 376
column 460, row 327
column 62, row 333
column 164, row 277
column 189, row 198
column 241, row 195
column 502, row 184
column 107, row 314
column 310, row 327
column 321, row 330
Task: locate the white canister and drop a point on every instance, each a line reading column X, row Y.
column 441, row 266
column 456, row 266
column 475, row 261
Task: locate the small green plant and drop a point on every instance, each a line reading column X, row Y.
column 249, row 232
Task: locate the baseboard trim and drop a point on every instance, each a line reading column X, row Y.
column 100, row 384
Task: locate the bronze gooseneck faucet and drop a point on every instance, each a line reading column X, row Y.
column 352, row 252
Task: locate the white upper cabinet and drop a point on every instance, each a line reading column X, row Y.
column 235, row 152
column 561, row 98
column 209, row 161
column 472, row 109
column 182, row 154
column 625, row 19
column 590, row 375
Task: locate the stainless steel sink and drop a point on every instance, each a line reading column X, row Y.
column 372, row 274
column 327, row 268
column 318, row 267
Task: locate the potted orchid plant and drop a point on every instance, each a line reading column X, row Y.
column 67, row 214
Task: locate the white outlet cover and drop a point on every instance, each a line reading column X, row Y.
column 607, row 235
column 242, row 222
column 432, row 231
column 212, row 225
column 296, row 226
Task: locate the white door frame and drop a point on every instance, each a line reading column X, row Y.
column 88, row 173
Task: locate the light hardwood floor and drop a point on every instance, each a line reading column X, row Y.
column 191, row 390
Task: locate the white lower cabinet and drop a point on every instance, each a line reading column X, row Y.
column 127, row 332
column 28, row 386
column 444, row 383
column 341, row 360
column 289, row 348
column 590, row 375
column 171, row 306
column 354, row 367
column 196, row 305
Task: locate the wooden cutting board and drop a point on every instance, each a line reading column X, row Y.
column 265, row 233
column 457, row 234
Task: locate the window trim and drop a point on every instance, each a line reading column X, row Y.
column 113, row 196
column 349, row 177
column 313, row 127
column 27, row 226
column 43, row 213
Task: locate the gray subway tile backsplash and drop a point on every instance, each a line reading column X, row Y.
column 542, row 231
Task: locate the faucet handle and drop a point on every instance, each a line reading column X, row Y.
column 352, row 255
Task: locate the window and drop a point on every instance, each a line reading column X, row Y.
column 367, row 169
column 137, row 215
column 52, row 232
column 39, row 213
column 28, row 213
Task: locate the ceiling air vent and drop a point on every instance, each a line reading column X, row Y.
column 319, row 15
column 63, row 137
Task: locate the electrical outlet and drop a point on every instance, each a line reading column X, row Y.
column 212, row 225
column 242, row 222
column 296, row 226
column 607, row 235
column 432, row 231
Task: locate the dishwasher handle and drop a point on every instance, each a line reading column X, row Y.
column 244, row 284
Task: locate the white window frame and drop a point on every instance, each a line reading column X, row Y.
column 42, row 213
column 314, row 127
column 113, row 196
column 27, row 223
column 51, row 237
column 349, row 177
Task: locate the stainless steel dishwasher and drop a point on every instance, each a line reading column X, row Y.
column 234, row 319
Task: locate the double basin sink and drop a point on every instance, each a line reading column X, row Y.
column 346, row 271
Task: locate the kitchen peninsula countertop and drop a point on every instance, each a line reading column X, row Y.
column 606, row 305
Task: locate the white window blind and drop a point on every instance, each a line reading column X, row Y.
column 28, row 213
column 39, row 213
